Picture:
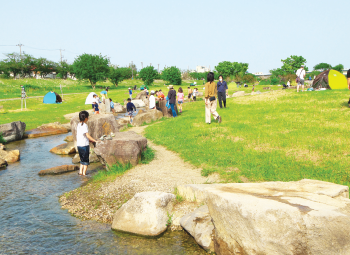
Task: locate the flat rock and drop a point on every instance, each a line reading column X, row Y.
column 138, row 103
column 46, row 130
column 123, row 148
column 69, row 138
column 64, row 149
column 59, row 170
column 3, row 163
column 13, row 131
column 238, row 94
column 200, row 226
column 147, row 117
column 10, row 156
column 303, row 217
column 166, row 112
column 145, row 214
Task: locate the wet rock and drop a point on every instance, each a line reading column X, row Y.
column 69, row 138
column 76, row 159
column 98, row 124
column 147, row 117
column 64, row 149
column 138, row 103
column 59, row 170
column 10, row 156
column 238, row 94
column 46, row 130
column 3, row 163
column 166, row 112
column 200, row 226
column 145, row 214
column 123, row 148
column 302, row 217
column 13, row 131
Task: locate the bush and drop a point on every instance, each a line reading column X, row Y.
column 172, row 75
column 148, row 75
column 117, row 75
column 2, row 140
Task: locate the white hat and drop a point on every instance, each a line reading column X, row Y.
column 152, row 92
column 129, row 88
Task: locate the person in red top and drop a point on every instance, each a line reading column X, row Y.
column 160, row 95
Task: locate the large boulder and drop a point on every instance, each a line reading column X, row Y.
column 10, row 156
column 166, row 112
column 200, row 226
column 13, row 131
column 59, row 170
column 3, row 163
column 46, row 130
column 92, row 158
column 199, row 94
column 142, row 95
column 118, row 108
column 98, row 125
column 238, row 94
column 69, row 138
column 64, row 149
column 303, row 217
column 123, row 148
column 138, row 103
column 147, row 117
column 145, row 214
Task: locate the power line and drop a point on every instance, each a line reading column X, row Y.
column 7, row 45
column 42, row 49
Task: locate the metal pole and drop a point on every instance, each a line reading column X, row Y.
column 141, row 65
column 20, row 48
column 158, row 68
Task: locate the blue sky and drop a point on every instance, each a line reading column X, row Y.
column 181, row 33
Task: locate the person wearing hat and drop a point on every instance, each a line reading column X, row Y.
column 300, row 78
column 152, row 101
column 172, row 99
column 130, row 93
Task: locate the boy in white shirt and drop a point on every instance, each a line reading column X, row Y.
column 300, row 75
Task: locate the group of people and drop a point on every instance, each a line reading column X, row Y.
column 96, row 102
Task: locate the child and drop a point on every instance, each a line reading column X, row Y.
column 130, row 107
column 189, row 93
column 180, row 99
column 161, row 95
column 83, row 139
column 130, row 93
column 195, row 91
column 253, row 87
column 112, row 105
column 94, row 100
column 95, row 104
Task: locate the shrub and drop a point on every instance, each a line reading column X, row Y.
column 172, row 75
column 117, row 75
column 148, row 75
column 2, row 140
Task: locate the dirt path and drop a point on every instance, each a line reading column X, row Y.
column 164, row 173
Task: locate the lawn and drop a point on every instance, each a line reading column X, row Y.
column 275, row 136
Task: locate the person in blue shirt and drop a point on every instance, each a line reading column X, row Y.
column 112, row 105
column 130, row 93
column 130, row 107
column 222, row 87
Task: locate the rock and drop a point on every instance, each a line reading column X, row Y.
column 69, row 138
column 199, row 225
column 64, row 149
column 98, row 124
column 199, row 94
column 76, row 159
column 71, row 115
column 2, row 147
column 10, row 156
column 13, row 131
column 92, row 158
column 67, row 126
column 166, row 112
column 59, row 170
column 147, row 117
column 140, row 111
column 138, row 103
column 123, row 148
column 238, row 94
column 253, row 93
column 118, row 108
column 145, row 214
column 303, row 217
column 46, row 130
column 3, row 163
column 142, row 95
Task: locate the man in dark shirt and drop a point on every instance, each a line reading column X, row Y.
column 222, row 87
column 172, row 99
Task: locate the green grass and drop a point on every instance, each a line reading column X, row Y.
column 276, row 136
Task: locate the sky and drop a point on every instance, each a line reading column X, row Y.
column 180, row 33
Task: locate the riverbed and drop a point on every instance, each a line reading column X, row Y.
column 32, row 221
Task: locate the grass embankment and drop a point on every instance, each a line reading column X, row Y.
column 276, row 136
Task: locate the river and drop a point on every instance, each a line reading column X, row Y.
column 32, row 221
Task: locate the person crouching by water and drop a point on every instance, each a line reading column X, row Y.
column 130, row 107
column 152, row 100
column 210, row 100
column 172, row 99
column 83, row 139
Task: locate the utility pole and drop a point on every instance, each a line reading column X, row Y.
column 20, row 48
column 150, row 64
column 158, row 68
column 61, row 54
column 141, row 65
column 132, row 71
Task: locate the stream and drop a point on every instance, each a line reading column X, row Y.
column 32, row 221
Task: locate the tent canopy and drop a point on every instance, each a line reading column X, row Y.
column 89, row 98
column 330, row 79
column 52, row 98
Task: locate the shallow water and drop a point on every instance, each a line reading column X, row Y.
column 32, row 221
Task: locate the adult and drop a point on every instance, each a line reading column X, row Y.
column 152, row 101
column 348, row 76
column 130, row 93
column 300, row 78
column 172, row 99
column 189, row 93
column 222, row 88
column 210, row 100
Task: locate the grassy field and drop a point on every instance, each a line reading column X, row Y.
column 39, row 113
column 275, row 136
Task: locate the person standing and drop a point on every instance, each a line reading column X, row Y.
column 172, row 99
column 130, row 93
column 348, row 76
column 152, row 101
column 130, row 107
column 180, row 99
column 300, row 78
column 222, row 87
column 189, row 93
column 195, row 92
column 288, row 83
column 210, row 100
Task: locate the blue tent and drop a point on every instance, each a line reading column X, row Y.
column 52, row 98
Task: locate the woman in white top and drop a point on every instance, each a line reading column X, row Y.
column 83, row 139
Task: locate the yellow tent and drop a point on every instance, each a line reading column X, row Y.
column 330, row 79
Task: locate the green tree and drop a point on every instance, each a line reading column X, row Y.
column 148, row 74
column 172, row 75
column 290, row 66
column 118, row 74
column 13, row 64
column 63, row 69
column 45, row 66
column 322, row 67
column 28, row 64
column 227, row 68
column 339, row 68
column 91, row 67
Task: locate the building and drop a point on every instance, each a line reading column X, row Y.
column 202, row 69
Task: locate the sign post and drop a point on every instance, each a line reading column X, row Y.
column 23, row 98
